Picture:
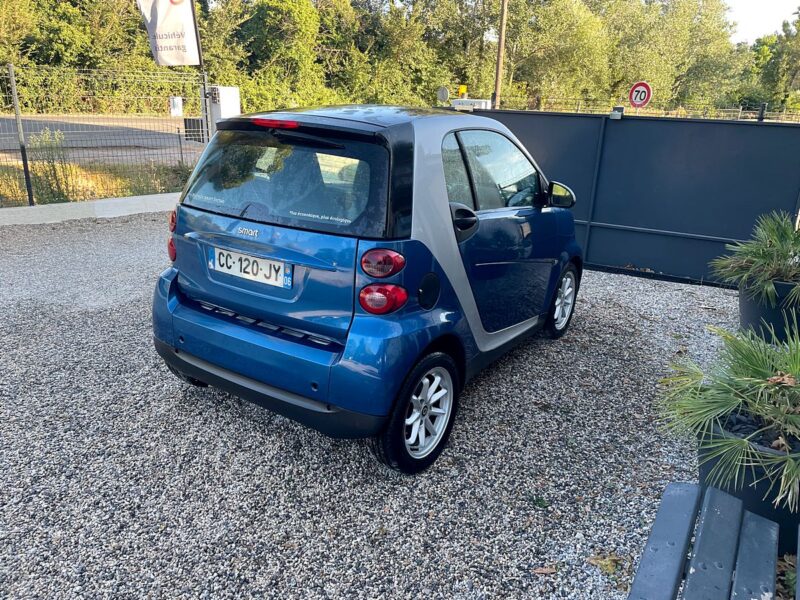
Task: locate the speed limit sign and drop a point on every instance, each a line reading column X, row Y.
column 640, row 95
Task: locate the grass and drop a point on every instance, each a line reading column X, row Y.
column 538, row 501
column 12, row 186
column 73, row 182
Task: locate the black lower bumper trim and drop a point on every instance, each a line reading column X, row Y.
column 330, row 420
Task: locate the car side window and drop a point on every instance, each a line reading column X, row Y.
column 503, row 176
column 455, row 173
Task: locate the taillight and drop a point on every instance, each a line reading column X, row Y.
column 173, row 253
column 380, row 299
column 173, row 220
column 275, row 123
column 382, row 263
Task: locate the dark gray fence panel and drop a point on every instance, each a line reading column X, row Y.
column 705, row 177
column 651, row 253
column 663, row 195
column 565, row 146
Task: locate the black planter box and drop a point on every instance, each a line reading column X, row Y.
column 759, row 499
column 753, row 315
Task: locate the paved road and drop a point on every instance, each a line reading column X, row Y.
column 92, row 131
column 116, row 480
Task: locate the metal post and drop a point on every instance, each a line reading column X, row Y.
column 180, row 143
column 204, row 112
column 501, row 47
column 601, row 142
column 209, row 129
column 762, row 111
column 23, row 150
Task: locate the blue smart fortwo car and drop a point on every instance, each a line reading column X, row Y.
column 352, row 267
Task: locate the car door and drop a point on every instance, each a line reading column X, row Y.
column 507, row 240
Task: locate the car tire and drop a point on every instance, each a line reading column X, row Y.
column 422, row 417
column 557, row 322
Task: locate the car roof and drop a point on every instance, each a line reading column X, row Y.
column 376, row 115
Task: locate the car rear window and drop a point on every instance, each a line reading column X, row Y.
column 293, row 179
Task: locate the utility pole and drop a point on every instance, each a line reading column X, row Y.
column 501, row 47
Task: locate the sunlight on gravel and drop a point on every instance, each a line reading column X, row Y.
column 118, row 480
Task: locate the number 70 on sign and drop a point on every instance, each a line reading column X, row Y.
column 640, row 95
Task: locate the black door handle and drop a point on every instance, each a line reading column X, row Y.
column 464, row 222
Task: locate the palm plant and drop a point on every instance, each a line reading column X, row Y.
column 756, row 382
column 772, row 254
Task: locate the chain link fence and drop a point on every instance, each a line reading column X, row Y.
column 96, row 134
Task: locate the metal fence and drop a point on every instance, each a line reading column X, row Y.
column 738, row 112
column 12, row 180
column 664, row 196
column 80, row 134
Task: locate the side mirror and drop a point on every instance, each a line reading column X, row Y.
column 560, row 195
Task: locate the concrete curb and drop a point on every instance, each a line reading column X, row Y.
column 93, row 209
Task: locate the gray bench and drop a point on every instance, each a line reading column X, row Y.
column 734, row 553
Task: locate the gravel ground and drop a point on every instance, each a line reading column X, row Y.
column 118, row 480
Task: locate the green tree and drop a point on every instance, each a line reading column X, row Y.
column 64, row 35
column 343, row 62
column 557, row 49
column 709, row 67
column 19, row 24
column 772, row 70
column 280, row 40
column 224, row 48
column 404, row 68
column 302, row 52
column 462, row 33
column 784, row 72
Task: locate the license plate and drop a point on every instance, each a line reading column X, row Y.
column 270, row 272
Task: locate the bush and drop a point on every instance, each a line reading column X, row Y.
column 750, row 398
column 12, row 186
column 52, row 175
column 772, row 254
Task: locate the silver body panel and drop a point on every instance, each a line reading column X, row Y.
column 432, row 211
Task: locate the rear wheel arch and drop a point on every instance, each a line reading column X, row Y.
column 451, row 345
column 447, row 343
column 578, row 262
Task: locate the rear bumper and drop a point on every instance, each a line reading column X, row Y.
column 326, row 418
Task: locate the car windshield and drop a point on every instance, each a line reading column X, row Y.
column 294, row 180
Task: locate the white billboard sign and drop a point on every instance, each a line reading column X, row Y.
column 171, row 29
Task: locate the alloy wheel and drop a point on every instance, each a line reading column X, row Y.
column 565, row 300
column 428, row 412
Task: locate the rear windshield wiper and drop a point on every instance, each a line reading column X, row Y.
column 305, row 139
column 245, row 209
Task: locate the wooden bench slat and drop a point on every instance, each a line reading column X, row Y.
column 716, row 542
column 757, row 561
column 661, row 567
